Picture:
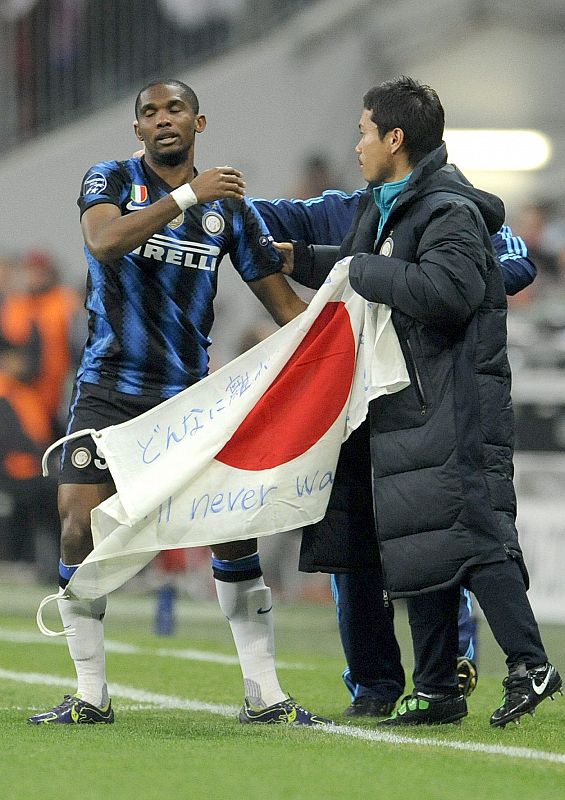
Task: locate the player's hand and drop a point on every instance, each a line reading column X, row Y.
column 218, row 183
column 286, row 251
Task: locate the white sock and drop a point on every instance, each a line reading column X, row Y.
column 87, row 647
column 249, row 610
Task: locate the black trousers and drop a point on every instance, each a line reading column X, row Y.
column 501, row 593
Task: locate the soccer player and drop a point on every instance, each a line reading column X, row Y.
column 374, row 673
column 441, row 450
column 155, row 232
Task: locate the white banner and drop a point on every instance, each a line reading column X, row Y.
column 252, row 449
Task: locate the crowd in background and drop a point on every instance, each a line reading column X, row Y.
column 41, row 332
column 60, row 57
column 537, row 324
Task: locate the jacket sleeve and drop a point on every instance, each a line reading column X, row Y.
column 518, row 270
column 320, row 220
column 446, row 283
column 313, row 263
column 317, row 227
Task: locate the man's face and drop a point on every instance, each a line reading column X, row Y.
column 374, row 154
column 167, row 124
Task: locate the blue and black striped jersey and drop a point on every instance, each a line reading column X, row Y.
column 151, row 311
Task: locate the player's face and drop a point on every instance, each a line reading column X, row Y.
column 373, row 153
column 167, row 124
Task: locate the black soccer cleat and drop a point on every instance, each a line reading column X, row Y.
column 369, row 706
column 74, row 711
column 524, row 689
column 286, row 712
column 420, row 708
column 467, row 676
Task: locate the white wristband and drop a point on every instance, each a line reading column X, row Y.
column 184, row 196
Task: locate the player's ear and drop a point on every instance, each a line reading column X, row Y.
column 200, row 123
column 396, row 139
column 136, row 130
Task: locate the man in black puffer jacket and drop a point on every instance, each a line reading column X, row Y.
column 441, row 450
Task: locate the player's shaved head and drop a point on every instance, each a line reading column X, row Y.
column 185, row 90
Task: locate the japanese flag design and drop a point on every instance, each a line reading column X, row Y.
column 252, row 449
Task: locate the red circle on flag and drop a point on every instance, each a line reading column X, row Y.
column 303, row 401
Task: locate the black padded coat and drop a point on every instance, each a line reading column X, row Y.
column 441, row 449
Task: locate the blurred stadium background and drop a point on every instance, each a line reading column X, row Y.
column 281, row 82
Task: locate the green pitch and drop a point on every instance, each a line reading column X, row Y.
column 177, row 736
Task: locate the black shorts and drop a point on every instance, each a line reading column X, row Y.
column 95, row 407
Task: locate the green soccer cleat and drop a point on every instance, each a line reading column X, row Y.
column 428, row 709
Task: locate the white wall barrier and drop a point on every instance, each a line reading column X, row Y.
column 540, row 483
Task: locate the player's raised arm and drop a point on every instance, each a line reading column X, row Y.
column 109, row 235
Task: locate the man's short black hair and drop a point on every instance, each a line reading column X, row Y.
column 412, row 106
column 182, row 87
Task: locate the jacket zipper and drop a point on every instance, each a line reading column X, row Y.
column 418, row 387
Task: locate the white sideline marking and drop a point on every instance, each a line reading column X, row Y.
column 471, row 747
column 111, row 646
column 170, row 701
column 139, row 695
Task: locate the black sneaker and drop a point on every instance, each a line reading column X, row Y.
column 467, row 676
column 369, row 706
column 428, row 709
column 524, row 689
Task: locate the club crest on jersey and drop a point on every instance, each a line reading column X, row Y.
column 94, row 184
column 213, row 223
column 387, row 247
column 81, row 457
